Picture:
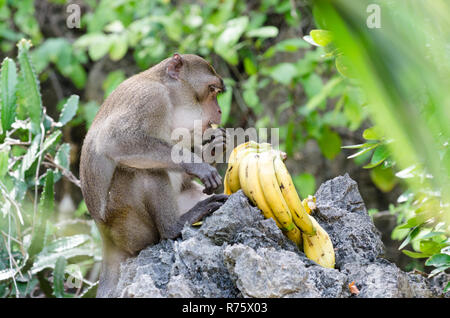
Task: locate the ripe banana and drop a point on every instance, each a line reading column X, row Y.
column 233, row 169
column 299, row 215
column 319, row 247
column 272, row 192
column 232, row 174
column 226, row 187
column 252, row 187
column 309, row 204
column 262, row 175
column 295, row 235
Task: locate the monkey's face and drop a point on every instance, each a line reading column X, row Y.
column 199, row 86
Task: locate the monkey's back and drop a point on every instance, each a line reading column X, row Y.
column 116, row 117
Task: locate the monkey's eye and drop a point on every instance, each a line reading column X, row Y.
column 215, row 89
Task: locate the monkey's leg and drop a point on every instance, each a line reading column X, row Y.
column 113, row 256
column 167, row 205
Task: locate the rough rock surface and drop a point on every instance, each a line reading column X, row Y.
column 238, row 253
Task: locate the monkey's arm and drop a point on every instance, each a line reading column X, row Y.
column 198, row 212
column 140, row 151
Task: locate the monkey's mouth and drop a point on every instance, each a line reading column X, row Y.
column 212, row 125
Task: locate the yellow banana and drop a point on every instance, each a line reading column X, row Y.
column 243, row 173
column 226, row 187
column 234, row 161
column 252, row 188
column 299, row 215
column 309, row 204
column 319, row 247
column 295, row 235
column 248, row 175
column 272, row 192
column 233, row 169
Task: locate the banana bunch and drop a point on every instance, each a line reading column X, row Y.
column 260, row 172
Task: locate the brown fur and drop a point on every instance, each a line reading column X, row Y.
column 133, row 190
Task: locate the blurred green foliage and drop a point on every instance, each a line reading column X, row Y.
column 33, row 239
column 311, row 88
column 405, row 73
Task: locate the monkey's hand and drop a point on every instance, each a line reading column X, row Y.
column 214, row 146
column 207, row 174
column 209, row 205
column 196, row 213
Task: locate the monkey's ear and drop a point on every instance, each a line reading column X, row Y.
column 174, row 66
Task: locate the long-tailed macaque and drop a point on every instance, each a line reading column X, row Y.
column 136, row 193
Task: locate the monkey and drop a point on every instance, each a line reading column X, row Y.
column 133, row 189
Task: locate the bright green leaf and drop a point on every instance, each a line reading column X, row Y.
column 305, row 184
column 263, row 32
column 8, row 83
column 329, row 143
column 321, row 37
column 383, row 178
column 69, row 110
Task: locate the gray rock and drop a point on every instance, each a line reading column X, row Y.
column 341, row 212
column 238, row 253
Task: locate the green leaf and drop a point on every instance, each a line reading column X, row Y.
column 415, row 254
column 411, row 235
column 305, row 184
column 100, row 48
column 91, row 292
column 343, row 66
column 283, row 73
column 313, row 85
column 367, row 147
column 50, row 141
column 224, row 101
column 383, row 178
column 29, row 89
column 112, row 81
column 65, row 243
column 4, row 157
column 438, row 260
column 329, row 143
column 69, row 110
column 8, row 83
column 62, row 157
column 290, row 45
column 250, row 67
column 59, row 277
column 319, row 98
column 263, row 32
column 379, row 155
column 47, row 260
column 30, row 156
column 45, row 210
column 119, row 47
column 7, row 274
column 321, row 37
column 225, row 42
column 430, row 247
column 359, row 146
column 372, row 133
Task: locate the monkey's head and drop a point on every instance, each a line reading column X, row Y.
column 195, row 86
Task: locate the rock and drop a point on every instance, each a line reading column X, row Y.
column 341, row 212
column 238, row 253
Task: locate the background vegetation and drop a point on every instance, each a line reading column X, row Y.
column 381, row 92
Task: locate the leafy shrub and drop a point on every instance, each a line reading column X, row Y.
column 33, row 247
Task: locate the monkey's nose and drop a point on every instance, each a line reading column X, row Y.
column 220, row 111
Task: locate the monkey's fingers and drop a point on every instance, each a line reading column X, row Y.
column 214, row 206
column 219, row 198
column 208, row 187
